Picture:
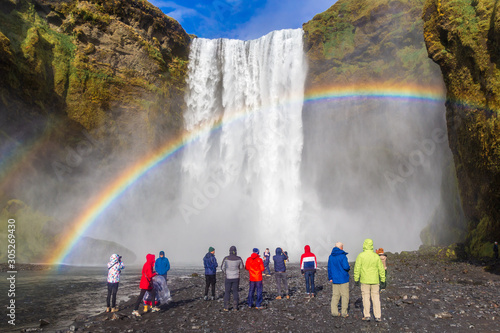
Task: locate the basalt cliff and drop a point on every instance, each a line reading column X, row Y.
column 463, row 37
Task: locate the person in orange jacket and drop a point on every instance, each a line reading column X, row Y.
column 146, row 284
column 255, row 266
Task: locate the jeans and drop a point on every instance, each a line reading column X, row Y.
column 255, row 286
column 309, row 275
column 112, row 289
column 281, row 278
column 210, row 281
column 234, row 285
column 141, row 296
column 266, row 266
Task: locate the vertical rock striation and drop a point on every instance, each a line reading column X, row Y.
column 463, row 37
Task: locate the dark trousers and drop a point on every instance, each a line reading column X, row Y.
column 309, row 275
column 255, row 286
column 281, row 278
column 266, row 267
column 210, row 281
column 112, row 290
column 141, row 296
column 234, row 285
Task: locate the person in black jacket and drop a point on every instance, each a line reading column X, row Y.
column 280, row 271
column 231, row 266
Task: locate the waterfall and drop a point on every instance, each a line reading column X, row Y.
column 244, row 174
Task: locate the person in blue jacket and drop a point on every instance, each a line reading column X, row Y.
column 162, row 265
column 338, row 274
column 210, row 264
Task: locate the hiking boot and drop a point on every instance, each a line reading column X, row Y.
column 115, row 309
column 155, row 309
column 260, row 308
column 366, row 318
column 212, row 298
column 336, row 314
column 226, row 310
column 108, row 309
column 345, row 315
column 205, row 298
column 136, row 313
column 378, row 319
column 287, row 296
column 145, row 308
column 279, row 297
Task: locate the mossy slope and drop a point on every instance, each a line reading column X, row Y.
column 463, row 37
column 369, row 41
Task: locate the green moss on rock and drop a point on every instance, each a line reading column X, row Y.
column 462, row 36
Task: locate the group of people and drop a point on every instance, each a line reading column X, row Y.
column 256, row 266
column 151, row 269
column 369, row 273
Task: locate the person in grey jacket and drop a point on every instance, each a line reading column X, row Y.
column 231, row 266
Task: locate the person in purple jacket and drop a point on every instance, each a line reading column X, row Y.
column 338, row 274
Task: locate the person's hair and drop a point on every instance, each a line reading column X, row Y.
column 339, row 245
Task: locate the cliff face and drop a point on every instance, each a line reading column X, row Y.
column 100, row 65
column 463, row 37
column 380, row 43
column 369, row 41
column 81, row 82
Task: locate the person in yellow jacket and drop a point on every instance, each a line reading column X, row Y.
column 370, row 272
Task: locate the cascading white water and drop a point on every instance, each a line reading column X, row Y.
column 248, row 171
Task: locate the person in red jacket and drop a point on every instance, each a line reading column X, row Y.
column 255, row 266
column 146, row 284
column 308, row 265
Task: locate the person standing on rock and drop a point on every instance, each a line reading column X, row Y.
column 210, row 264
column 231, row 266
column 146, row 284
column 255, row 266
column 162, row 265
column 383, row 257
column 308, row 265
column 115, row 266
column 369, row 271
column 267, row 260
column 338, row 274
column 280, row 272
column 495, row 250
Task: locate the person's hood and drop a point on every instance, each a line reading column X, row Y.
column 162, row 252
column 254, row 256
column 278, row 251
column 368, row 245
column 232, row 250
column 337, row 251
column 150, row 259
column 307, row 249
column 113, row 259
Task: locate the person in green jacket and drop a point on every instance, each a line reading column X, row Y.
column 370, row 272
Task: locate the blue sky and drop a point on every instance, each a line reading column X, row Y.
column 241, row 19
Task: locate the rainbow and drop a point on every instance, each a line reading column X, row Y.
column 133, row 173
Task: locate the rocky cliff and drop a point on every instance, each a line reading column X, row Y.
column 463, row 37
column 81, row 81
column 380, row 42
column 102, row 65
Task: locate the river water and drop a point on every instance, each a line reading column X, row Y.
column 61, row 294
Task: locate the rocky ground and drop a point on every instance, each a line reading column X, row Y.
column 426, row 292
